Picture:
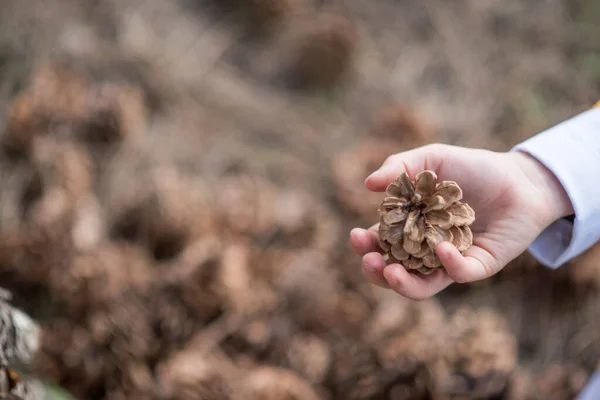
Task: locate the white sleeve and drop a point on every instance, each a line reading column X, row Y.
column 571, row 150
column 591, row 391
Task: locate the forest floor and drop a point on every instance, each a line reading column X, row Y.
column 178, row 181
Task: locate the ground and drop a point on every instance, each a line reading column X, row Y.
column 178, row 181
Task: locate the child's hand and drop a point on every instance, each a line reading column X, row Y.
column 514, row 197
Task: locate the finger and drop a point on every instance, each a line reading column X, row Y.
column 373, row 265
column 415, row 286
column 364, row 241
column 411, row 162
column 476, row 263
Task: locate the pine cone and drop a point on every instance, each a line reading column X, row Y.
column 310, row 356
column 104, row 347
column 325, row 51
column 193, row 374
column 257, row 194
column 554, row 382
column 274, row 383
column 32, row 251
column 479, row 357
column 355, row 371
column 158, row 207
column 415, row 340
column 311, row 288
column 403, row 125
column 63, row 177
column 100, row 277
column 195, row 279
column 135, row 382
column 415, row 216
column 64, row 98
column 349, row 169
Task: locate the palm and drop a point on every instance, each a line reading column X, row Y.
column 501, row 211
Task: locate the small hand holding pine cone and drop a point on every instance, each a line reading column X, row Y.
column 415, row 216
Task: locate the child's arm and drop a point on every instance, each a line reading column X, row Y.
column 571, row 150
column 521, row 199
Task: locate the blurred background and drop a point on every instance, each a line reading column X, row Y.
column 178, row 180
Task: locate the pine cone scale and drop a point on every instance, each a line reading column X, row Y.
column 413, row 263
column 411, row 223
column 457, row 236
column 463, row 214
column 412, row 247
column 431, row 260
column 418, row 232
column 394, row 217
column 435, row 235
column 441, row 218
column 402, row 188
column 449, row 191
column 467, row 239
column 399, row 253
column 425, row 249
column 392, row 202
column 393, row 233
column 415, row 216
column 434, row 203
column 425, row 183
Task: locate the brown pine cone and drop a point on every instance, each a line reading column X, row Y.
column 63, row 98
column 63, row 178
column 411, row 342
column 274, row 383
column 403, row 125
column 355, row 371
column 98, row 278
column 553, row 382
column 349, row 169
column 258, row 196
column 309, row 356
column 104, row 347
column 415, row 216
column 324, row 53
column 192, row 374
column 479, row 356
column 310, row 288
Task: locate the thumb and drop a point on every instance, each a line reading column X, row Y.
column 412, row 162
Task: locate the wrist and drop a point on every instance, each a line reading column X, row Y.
column 548, row 194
